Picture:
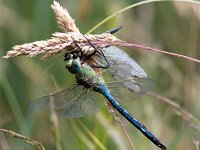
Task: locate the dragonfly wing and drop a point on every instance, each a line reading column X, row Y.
column 59, row 98
column 85, row 104
column 122, row 67
column 116, row 56
column 126, row 90
column 70, row 102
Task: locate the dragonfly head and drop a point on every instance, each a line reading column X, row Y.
column 73, row 65
column 68, row 59
column 72, row 55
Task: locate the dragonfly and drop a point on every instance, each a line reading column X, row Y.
column 123, row 77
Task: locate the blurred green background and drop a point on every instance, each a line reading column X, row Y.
column 169, row 26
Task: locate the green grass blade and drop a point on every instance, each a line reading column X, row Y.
column 135, row 5
column 16, row 110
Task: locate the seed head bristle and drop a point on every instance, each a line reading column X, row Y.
column 60, row 42
column 64, row 20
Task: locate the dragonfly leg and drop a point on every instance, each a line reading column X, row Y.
column 100, row 53
column 111, row 31
column 80, row 50
column 74, row 53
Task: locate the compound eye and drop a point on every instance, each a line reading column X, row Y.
column 71, row 56
column 75, row 55
column 79, row 54
column 67, row 56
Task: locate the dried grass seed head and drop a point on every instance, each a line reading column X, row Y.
column 65, row 22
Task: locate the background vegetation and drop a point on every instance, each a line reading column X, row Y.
column 171, row 26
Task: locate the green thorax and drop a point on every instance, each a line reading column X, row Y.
column 84, row 74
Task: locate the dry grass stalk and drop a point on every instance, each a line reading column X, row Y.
column 64, row 20
column 55, row 126
column 197, row 145
column 61, row 42
column 24, row 138
column 115, row 114
column 187, row 116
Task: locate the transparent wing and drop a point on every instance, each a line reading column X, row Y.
column 126, row 66
column 123, row 71
column 59, row 98
column 71, row 102
column 128, row 89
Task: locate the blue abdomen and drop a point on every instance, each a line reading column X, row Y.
column 103, row 90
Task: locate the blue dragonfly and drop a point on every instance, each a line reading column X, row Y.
column 123, row 77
